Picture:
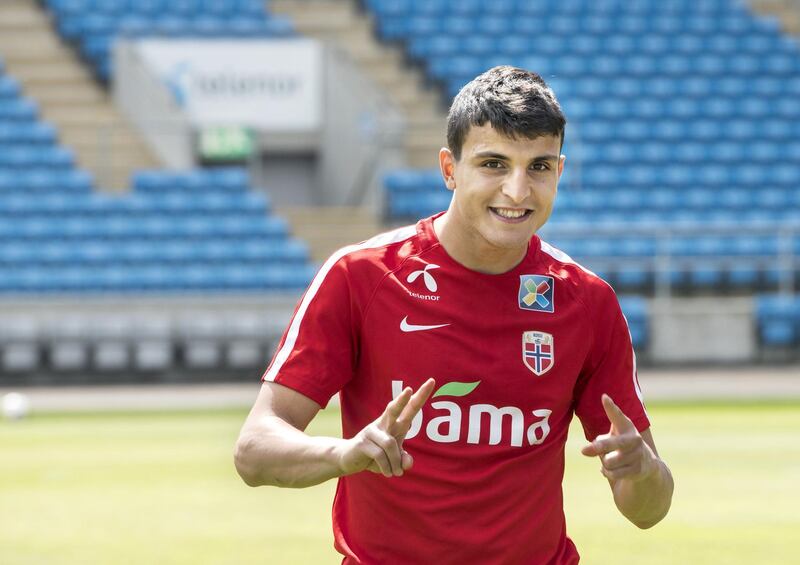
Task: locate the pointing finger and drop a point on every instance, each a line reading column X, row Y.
column 619, row 421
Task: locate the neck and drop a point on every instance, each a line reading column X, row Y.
column 469, row 249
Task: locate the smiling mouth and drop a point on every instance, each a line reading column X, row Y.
column 511, row 215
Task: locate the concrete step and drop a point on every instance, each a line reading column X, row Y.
column 19, row 45
column 96, row 115
column 327, row 229
column 79, row 93
column 20, row 16
column 50, row 73
column 88, row 136
column 319, row 16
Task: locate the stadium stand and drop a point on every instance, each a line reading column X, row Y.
column 664, row 188
column 664, row 182
column 202, row 233
column 195, row 231
column 92, row 25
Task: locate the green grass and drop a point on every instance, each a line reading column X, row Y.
column 161, row 488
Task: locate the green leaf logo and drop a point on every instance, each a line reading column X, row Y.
column 456, row 389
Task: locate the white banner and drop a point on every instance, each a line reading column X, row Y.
column 269, row 85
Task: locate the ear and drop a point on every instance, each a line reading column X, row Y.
column 447, row 165
column 561, row 160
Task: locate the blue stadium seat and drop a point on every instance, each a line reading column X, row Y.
column 778, row 319
column 636, row 313
column 18, row 110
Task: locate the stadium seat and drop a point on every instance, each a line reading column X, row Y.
column 778, row 319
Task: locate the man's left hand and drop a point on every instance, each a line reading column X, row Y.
column 622, row 451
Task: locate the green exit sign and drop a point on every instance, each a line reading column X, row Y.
column 226, row 144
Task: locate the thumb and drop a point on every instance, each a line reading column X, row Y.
column 406, row 460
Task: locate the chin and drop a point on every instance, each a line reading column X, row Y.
column 510, row 242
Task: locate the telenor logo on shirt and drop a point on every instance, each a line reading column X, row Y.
column 536, row 293
column 427, row 278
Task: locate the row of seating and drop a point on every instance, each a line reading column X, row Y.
column 199, row 26
column 712, row 248
column 705, row 129
column 16, row 109
column 145, row 253
column 156, row 278
column 24, row 133
column 592, row 151
column 225, row 179
column 512, row 8
column 652, row 177
column 150, row 228
column 188, row 7
column 692, row 277
column 571, row 66
column 690, row 87
column 778, row 319
column 26, row 156
column 45, row 181
column 400, row 27
column 666, row 220
column 423, row 46
column 65, row 205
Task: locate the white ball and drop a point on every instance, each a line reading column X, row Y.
column 15, row 406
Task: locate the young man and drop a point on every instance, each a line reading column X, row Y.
column 461, row 347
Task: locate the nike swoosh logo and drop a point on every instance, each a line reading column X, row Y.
column 406, row 327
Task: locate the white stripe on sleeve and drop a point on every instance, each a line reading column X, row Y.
column 294, row 328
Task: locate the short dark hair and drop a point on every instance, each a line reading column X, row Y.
column 514, row 101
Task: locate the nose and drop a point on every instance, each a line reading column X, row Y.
column 517, row 185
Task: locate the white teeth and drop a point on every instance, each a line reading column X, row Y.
column 511, row 214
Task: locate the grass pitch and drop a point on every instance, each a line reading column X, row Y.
column 161, row 488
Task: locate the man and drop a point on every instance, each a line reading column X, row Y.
column 461, row 346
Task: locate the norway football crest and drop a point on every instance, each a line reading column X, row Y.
column 537, row 352
column 536, row 293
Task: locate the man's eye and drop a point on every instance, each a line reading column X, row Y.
column 540, row 167
column 493, row 164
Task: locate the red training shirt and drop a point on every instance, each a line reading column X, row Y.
column 514, row 355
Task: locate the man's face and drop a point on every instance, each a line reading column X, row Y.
column 504, row 187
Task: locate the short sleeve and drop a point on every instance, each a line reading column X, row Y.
column 318, row 350
column 610, row 368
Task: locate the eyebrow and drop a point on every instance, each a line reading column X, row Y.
column 493, row 155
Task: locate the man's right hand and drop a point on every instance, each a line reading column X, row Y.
column 379, row 446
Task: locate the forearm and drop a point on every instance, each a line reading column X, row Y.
column 272, row 452
column 645, row 501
